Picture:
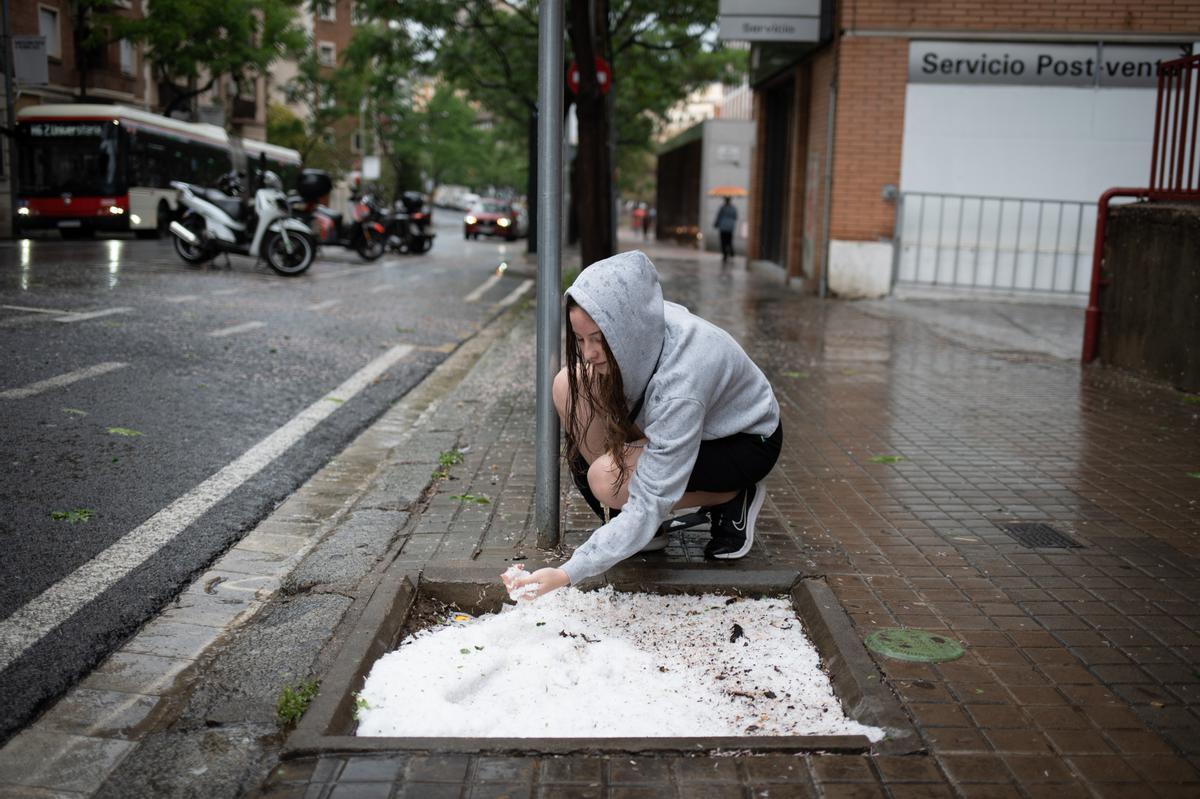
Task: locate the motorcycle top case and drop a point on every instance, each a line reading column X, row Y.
column 313, row 184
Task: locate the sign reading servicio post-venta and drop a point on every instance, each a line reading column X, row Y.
column 1039, row 64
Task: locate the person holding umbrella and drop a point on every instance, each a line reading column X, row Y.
column 726, row 223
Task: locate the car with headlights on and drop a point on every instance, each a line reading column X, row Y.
column 492, row 217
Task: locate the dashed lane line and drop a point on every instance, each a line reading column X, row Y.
column 483, row 287
column 321, row 306
column 80, row 317
column 235, row 329
column 515, row 294
column 58, row 603
column 62, row 380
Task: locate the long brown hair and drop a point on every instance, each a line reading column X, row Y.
column 605, row 395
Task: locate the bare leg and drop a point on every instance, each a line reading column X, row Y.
column 603, row 472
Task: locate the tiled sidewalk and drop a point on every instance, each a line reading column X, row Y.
column 1082, row 672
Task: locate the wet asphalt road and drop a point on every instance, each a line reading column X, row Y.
column 184, row 370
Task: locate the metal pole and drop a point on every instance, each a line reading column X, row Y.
column 10, row 115
column 549, row 236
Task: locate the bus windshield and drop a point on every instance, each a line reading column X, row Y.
column 70, row 157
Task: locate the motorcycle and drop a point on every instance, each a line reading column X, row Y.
column 218, row 220
column 364, row 233
column 408, row 226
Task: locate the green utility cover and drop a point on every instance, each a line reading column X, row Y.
column 918, row 645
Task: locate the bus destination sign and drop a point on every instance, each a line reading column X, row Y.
column 66, row 129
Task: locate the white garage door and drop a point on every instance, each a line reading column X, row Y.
column 1006, row 149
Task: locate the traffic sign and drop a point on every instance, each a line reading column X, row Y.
column 603, row 76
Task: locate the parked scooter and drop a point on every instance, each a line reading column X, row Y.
column 219, row 220
column 408, row 227
column 364, row 232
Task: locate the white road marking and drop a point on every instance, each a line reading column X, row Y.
column 384, row 287
column 79, row 317
column 182, row 298
column 68, row 596
column 515, row 294
column 224, row 292
column 320, row 306
column 62, row 380
column 484, row 286
column 34, row 310
column 234, row 329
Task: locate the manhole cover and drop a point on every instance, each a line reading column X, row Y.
column 918, row 645
column 1034, row 535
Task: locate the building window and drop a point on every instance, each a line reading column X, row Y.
column 327, row 10
column 358, row 13
column 326, row 54
column 329, row 139
column 48, row 27
column 128, row 58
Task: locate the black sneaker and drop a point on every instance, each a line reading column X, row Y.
column 733, row 525
column 673, row 524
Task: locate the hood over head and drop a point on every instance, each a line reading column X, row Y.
column 623, row 297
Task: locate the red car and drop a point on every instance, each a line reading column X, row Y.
column 491, row 217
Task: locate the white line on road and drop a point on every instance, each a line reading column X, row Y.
column 224, row 292
column 484, row 286
column 320, row 306
column 61, row 380
column 79, row 317
column 515, row 294
column 68, row 596
column 182, row 298
column 34, row 310
column 384, row 287
column 234, row 329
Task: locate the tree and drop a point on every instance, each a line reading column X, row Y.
column 199, row 42
column 658, row 53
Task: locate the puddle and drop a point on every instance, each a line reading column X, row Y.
column 603, row 663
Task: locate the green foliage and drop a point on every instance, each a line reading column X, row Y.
column 1192, row 399
column 887, row 459
column 450, row 457
column 797, row 375
column 124, row 431
column 74, row 412
column 1194, row 474
column 487, row 51
column 72, row 516
column 293, row 702
column 196, row 43
column 360, row 705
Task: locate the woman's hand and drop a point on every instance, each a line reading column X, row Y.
column 545, row 580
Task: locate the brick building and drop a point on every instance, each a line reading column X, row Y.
column 969, row 140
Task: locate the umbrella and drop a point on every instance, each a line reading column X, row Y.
column 727, row 191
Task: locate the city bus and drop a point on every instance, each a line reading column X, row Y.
column 88, row 168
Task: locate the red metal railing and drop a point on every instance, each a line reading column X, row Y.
column 1174, row 169
column 1174, row 166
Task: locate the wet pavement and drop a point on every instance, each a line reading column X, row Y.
column 907, row 448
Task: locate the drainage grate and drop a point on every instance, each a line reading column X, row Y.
column 1039, row 536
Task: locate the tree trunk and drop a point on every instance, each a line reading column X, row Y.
column 593, row 167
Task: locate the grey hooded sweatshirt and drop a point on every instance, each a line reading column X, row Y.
column 698, row 385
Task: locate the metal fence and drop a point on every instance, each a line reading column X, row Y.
column 1174, row 166
column 1000, row 243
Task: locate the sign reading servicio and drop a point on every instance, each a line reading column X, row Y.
column 1038, row 64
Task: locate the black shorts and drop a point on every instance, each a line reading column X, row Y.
column 735, row 462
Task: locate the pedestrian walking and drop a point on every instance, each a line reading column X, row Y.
column 726, row 223
column 648, row 222
column 661, row 410
column 639, row 213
